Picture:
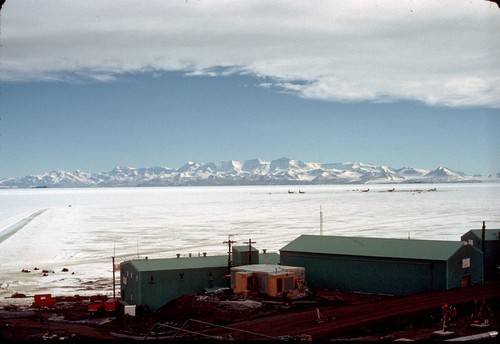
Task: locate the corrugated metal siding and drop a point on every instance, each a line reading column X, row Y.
column 371, row 272
column 155, row 287
column 371, row 275
column 169, row 285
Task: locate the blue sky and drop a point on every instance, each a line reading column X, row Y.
column 91, row 86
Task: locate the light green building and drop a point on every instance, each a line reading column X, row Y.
column 155, row 282
column 384, row 266
column 491, row 247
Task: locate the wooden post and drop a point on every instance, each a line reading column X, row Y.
column 229, row 252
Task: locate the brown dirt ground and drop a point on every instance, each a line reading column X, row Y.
column 344, row 317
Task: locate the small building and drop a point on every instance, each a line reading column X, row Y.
column 43, row 301
column 155, row 282
column 491, row 248
column 245, row 255
column 384, row 266
column 269, row 279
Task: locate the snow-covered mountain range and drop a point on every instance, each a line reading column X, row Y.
column 282, row 171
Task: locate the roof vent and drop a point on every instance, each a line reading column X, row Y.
column 204, row 254
column 178, row 255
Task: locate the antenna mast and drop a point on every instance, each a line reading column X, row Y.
column 320, row 221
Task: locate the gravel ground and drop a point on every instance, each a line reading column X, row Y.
column 322, row 315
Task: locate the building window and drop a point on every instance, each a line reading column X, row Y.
column 210, row 280
column 181, row 275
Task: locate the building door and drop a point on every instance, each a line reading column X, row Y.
column 279, row 285
column 250, row 283
column 465, row 281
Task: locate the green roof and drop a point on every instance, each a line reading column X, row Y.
column 179, row 263
column 244, row 248
column 195, row 262
column 374, row 247
column 489, row 234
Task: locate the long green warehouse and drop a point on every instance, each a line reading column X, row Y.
column 384, row 266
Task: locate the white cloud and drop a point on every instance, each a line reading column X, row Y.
column 439, row 52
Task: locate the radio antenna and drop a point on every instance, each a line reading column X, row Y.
column 320, row 221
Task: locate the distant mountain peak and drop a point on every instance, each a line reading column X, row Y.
column 249, row 172
column 445, row 172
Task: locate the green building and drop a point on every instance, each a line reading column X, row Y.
column 245, row 255
column 384, row 266
column 155, row 282
column 491, row 249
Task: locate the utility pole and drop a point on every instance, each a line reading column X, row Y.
column 483, row 246
column 114, row 276
column 229, row 242
column 114, row 279
column 249, row 242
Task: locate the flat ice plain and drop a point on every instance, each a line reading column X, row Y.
column 82, row 229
